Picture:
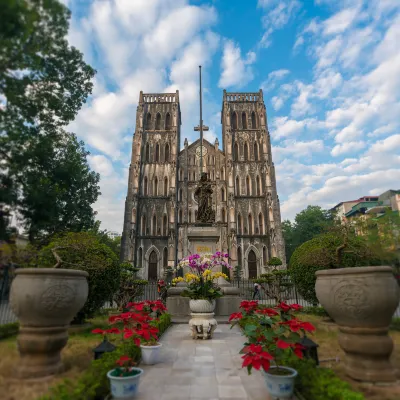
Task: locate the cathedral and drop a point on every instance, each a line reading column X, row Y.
column 162, row 221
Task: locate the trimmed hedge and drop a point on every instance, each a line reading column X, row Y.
column 319, row 311
column 320, row 253
column 8, row 330
column 93, row 383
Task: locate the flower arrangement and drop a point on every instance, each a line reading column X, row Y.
column 272, row 334
column 125, row 367
column 136, row 324
column 201, row 279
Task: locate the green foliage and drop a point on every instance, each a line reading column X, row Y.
column 274, row 262
column 319, row 311
column 7, row 330
column 102, row 236
column 94, row 383
column 321, row 253
column 83, row 251
column 203, row 289
column 308, row 223
column 43, row 84
column 237, row 272
column 321, row 383
column 276, row 284
column 395, row 325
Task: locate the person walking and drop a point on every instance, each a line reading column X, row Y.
column 256, row 293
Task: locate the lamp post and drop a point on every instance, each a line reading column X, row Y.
column 310, row 349
column 104, row 347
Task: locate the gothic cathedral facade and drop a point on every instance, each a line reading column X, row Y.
column 161, row 209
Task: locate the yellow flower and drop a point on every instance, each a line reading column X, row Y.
column 206, row 272
column 217, row 275
column 178, row 279
column 191, row 277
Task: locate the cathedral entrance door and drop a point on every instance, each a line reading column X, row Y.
column 152, row 273
column 252, row 264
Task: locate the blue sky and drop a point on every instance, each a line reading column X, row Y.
column 329, row 69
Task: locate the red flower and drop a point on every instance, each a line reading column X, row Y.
column 296, row 307
column 307, row 327
column 113, row 330
column 98, row 330
column 281, row 344
column 139, row 306
column 294, row 324
column 283, row 306
column 249, row 306
column 123, row 360
column 237, row 315
column 298, row 350
column 267, row 311
column 256, row 357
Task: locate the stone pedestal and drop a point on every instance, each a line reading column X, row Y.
column 202, row 325
column 230, row 302
column 177, row 305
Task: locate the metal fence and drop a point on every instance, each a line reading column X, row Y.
column 150, row 292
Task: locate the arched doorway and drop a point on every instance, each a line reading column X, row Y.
column 252, row 264
column 152, row 274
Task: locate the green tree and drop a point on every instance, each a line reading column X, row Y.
column 43, row 84
column 102, row 236
column 307, row 224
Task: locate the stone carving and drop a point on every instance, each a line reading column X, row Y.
column 57, row 297
column 203, row 195
column 352, row 298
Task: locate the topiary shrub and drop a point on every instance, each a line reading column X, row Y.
column 274, row 262
column 322, row 253
column 84, row 251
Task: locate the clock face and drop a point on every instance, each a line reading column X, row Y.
column 198, row 151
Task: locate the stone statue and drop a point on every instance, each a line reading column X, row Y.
column 202, row 195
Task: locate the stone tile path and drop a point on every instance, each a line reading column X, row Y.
column 201, row 369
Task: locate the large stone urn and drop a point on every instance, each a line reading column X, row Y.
column 362, row 301
column 45, row 301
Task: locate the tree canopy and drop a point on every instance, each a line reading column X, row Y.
column 43, row 84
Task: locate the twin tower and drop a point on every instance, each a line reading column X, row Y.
column 160, row 221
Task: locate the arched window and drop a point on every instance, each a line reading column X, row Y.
column 236, row 152
column 255, row 152
column 168, row 122
column 181, row 174
column 165, row 225
column 258, row 183
column 265, row 255
column 140, row 258
column 154, row 226
column 239, row 256
column 180, row 198
column 145, row 186
column 148, row 121
column 222, row 194
column 152, row 273
column 248, row 192
column 157, row 155
column 190, row 217
column 180, row 216
column 158, row 122
column 143, row 229
column 147, row 152
column 252, row 264
column 244, row 120
column 166, row 153
column 194, row 176
column 237, row 186
column 165, row 258
column 261, row 224
column 223, row 173
column 155, row 191
column 239, row 222
column 223, row 215
column 253, row 120
column 250, row 225
column 246, row 152
column 165, row 186
column 234, row 120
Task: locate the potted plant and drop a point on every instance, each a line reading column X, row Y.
column 124, row 379
column 45, row 300
column 137, row 324
column 273, row 334
column 362, row 301
column 202, row 286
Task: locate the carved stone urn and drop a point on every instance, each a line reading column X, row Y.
column 45, row 300
column 362, row 301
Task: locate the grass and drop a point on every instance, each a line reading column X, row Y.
column 329, row 348
column 77, row 356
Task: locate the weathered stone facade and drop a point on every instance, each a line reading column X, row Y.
column 161, row 209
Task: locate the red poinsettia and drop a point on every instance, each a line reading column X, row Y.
column 271, row 333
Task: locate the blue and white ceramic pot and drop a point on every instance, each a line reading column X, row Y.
column 280, row 386
column 124, row 387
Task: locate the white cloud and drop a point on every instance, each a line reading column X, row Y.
column 341, row 21
column 101, row 164
column 236, row 71
column 283, row 127
column 347, row 147
column 273, row 78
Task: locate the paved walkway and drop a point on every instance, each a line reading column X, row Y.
column 201, row 369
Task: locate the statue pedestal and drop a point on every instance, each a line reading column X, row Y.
column 202, row 325
column 230, row 302
column 177, row 305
